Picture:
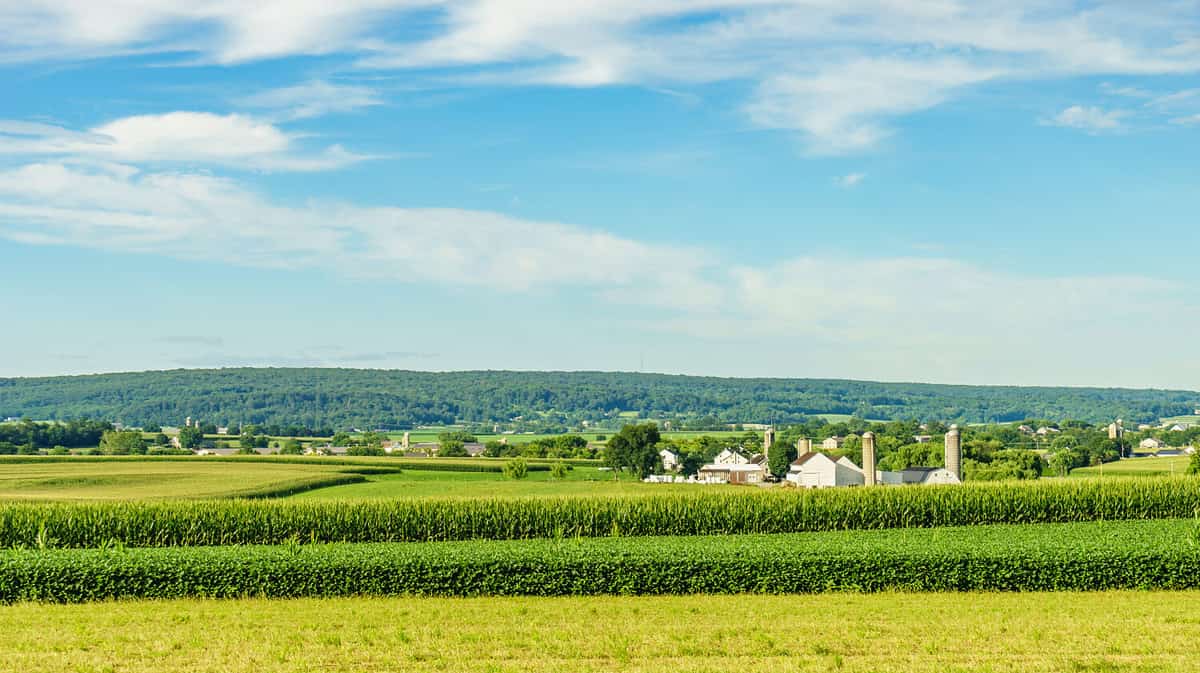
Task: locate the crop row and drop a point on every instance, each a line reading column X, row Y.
column 1055, row 557
column 224, row 522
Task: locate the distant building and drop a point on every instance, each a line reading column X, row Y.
column 920, row 475
column 1177, row 428
column 1151, row 443
column 834, row 442
column 670, row 460
column 922, row 439
column 1044, row 431
column 222, row 431
column 818, row 470
column 730, row 457
column 744, row 473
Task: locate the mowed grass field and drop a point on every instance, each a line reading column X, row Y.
column 202, row 477
column 152, row 480
column 1127, row 632
column 1137, row 467
column 581, row 482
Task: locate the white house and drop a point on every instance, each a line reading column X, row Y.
column 670, row 460
column 834, row 442
column 922, row 439
column 1044, row 430
column 732, row 473
column 1177, row 428
column 730, row 457
column 1151, row 443
column 927, row 475
column 818, row 470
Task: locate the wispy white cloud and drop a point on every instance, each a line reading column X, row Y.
column 1088, row 118
column 181, row 137
column 850, row 180
column 835, row 71
column 1189, row 120
column 196, row 215
column 315, row 98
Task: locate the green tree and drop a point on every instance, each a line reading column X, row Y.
column 291, row 447
column 340, row 439
column 558, row 470
column 516, row 469
column 452, row 448
column 635, row 448
column 120, row 443
column 779, row 458
column 190, row 438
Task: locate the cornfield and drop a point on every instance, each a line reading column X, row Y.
column 253, row 522
column 1058, row 557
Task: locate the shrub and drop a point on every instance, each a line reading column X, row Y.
column 516, row 469
column 558, row 470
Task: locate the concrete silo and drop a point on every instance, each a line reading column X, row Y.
column 954, row 451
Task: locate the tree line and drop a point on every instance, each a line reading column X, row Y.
column 326, row 400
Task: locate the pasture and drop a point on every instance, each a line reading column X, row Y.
column 876, row 633
column 135, row 479
column 1146, row 466
column 326, row 478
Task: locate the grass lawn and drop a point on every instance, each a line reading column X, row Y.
column 581, row 481
column 148, row 480
column 1137, row 467
column 1130, row 632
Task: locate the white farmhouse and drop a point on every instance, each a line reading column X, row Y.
column 818, row 470
column 1152, row 443
column 732, row 473
column 670, row 460
column 730, row 457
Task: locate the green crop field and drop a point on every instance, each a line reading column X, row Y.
column 1136, row 467
column 580, row 482
column 119, row 480
column 1126, row 632
column 1159, row 554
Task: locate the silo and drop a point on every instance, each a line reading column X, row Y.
column 768, row 440
column 868, row 453
column 954, row 451
column 803, row 446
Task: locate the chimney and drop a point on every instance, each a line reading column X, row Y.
column 868, row 453
column 954, row 451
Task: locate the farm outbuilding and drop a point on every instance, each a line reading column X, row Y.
column 818, row 470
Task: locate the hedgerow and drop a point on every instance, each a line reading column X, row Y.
column 223, row 522
column 1075, row 557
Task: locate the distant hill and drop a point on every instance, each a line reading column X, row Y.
column 343, row 398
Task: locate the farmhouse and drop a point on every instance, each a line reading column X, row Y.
column 818, row 470
column 834, row 442
column 741, row 473
column 1151, row 443
column 922, row 439
column 670, row 460
column 730, row 457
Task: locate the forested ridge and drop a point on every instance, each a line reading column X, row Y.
column 343, row 398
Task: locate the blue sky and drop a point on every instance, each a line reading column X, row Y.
column 971, row 192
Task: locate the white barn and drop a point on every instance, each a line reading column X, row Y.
column 818, row 470
column 919, row 475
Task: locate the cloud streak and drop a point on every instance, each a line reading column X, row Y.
column 231, row 140
column 836, row 72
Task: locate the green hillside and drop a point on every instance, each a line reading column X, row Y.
column 343, row 398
